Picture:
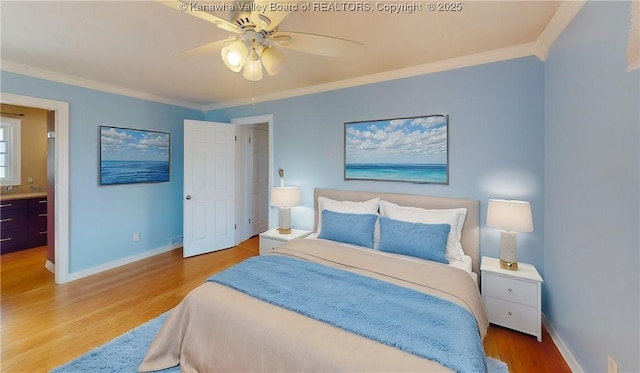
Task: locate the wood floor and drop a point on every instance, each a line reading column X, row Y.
column 44, row 325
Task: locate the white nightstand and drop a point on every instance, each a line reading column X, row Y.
column 271, row 239
column 512, row 298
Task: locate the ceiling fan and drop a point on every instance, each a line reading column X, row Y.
column 257, row 38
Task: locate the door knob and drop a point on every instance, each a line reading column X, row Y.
column 188, row 196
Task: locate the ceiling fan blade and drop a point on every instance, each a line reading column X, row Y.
column 197, row 10
column 317, row 44
column 267, row 14
column 205, row 49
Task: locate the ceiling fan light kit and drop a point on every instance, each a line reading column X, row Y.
column 249, row 53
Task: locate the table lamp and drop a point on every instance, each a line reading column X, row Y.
column 510, row 216
column 285, row 198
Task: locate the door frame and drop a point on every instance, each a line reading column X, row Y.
column 61, row 194
column 257, row 119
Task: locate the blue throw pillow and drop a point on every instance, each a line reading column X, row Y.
column 426, row 241
column 355, row 229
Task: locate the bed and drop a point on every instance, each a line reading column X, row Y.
column 330, row 303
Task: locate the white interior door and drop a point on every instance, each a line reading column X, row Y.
column 209, row 187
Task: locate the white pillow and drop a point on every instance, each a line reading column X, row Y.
column 366, row 207
column 453, row 217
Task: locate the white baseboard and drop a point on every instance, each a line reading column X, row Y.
column 117, row 263
column 562, row 347
column 50, row 266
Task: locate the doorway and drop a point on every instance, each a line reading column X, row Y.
column 226, row 182
column 252, row 179
column 61, row 175
column 254, row 159
column 27, row 196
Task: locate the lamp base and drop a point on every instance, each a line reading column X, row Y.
column 513, row 266
column 284, row 220
column 284, row 230
column 508, row 257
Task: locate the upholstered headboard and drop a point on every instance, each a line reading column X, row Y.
column 470, row 230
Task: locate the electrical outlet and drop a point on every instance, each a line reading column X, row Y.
column 612, row 366
column 29, row 179
column 176, row 242
column 136, row 237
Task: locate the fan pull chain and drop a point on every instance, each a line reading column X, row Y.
column 253, row 86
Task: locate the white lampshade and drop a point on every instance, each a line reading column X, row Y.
column 234, row 55
column 272, row 60
column 509, row 215
column 252, row 67
column 285, row 196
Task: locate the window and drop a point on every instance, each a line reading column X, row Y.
column 10, row 151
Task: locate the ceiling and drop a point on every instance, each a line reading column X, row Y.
column 131, row 47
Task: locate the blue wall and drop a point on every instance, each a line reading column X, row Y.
column 592, row 247
column 104, row 218
column 496, row 138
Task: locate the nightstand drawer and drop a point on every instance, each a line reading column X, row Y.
column 511, row 290
column 267, row 244
column 511, row 315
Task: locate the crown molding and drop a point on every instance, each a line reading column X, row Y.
column 566, row 12
column 496, row 55
column 91, row 84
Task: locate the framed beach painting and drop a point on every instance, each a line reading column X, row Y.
column 414, row 149
column 129, row 156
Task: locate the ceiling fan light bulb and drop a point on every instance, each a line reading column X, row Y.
column 234, row 58
column 234, row 55
column 272, row 60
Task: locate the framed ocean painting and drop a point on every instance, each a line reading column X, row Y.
column 414, row 149
column 129, row 156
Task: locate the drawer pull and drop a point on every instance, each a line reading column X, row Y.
column 42, row 201
column 510, row 313
column 5, row 220
column 510, row 290
column 44, row 215
column 6, row 239
column 7, row 205
column 43, row 232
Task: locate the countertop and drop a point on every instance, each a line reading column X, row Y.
column 7, row 197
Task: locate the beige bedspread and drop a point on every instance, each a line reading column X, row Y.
column 218, row 329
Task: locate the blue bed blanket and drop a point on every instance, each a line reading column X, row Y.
column 403, row 318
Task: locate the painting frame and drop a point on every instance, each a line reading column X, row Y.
column 407, row 149
column 133, row 156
